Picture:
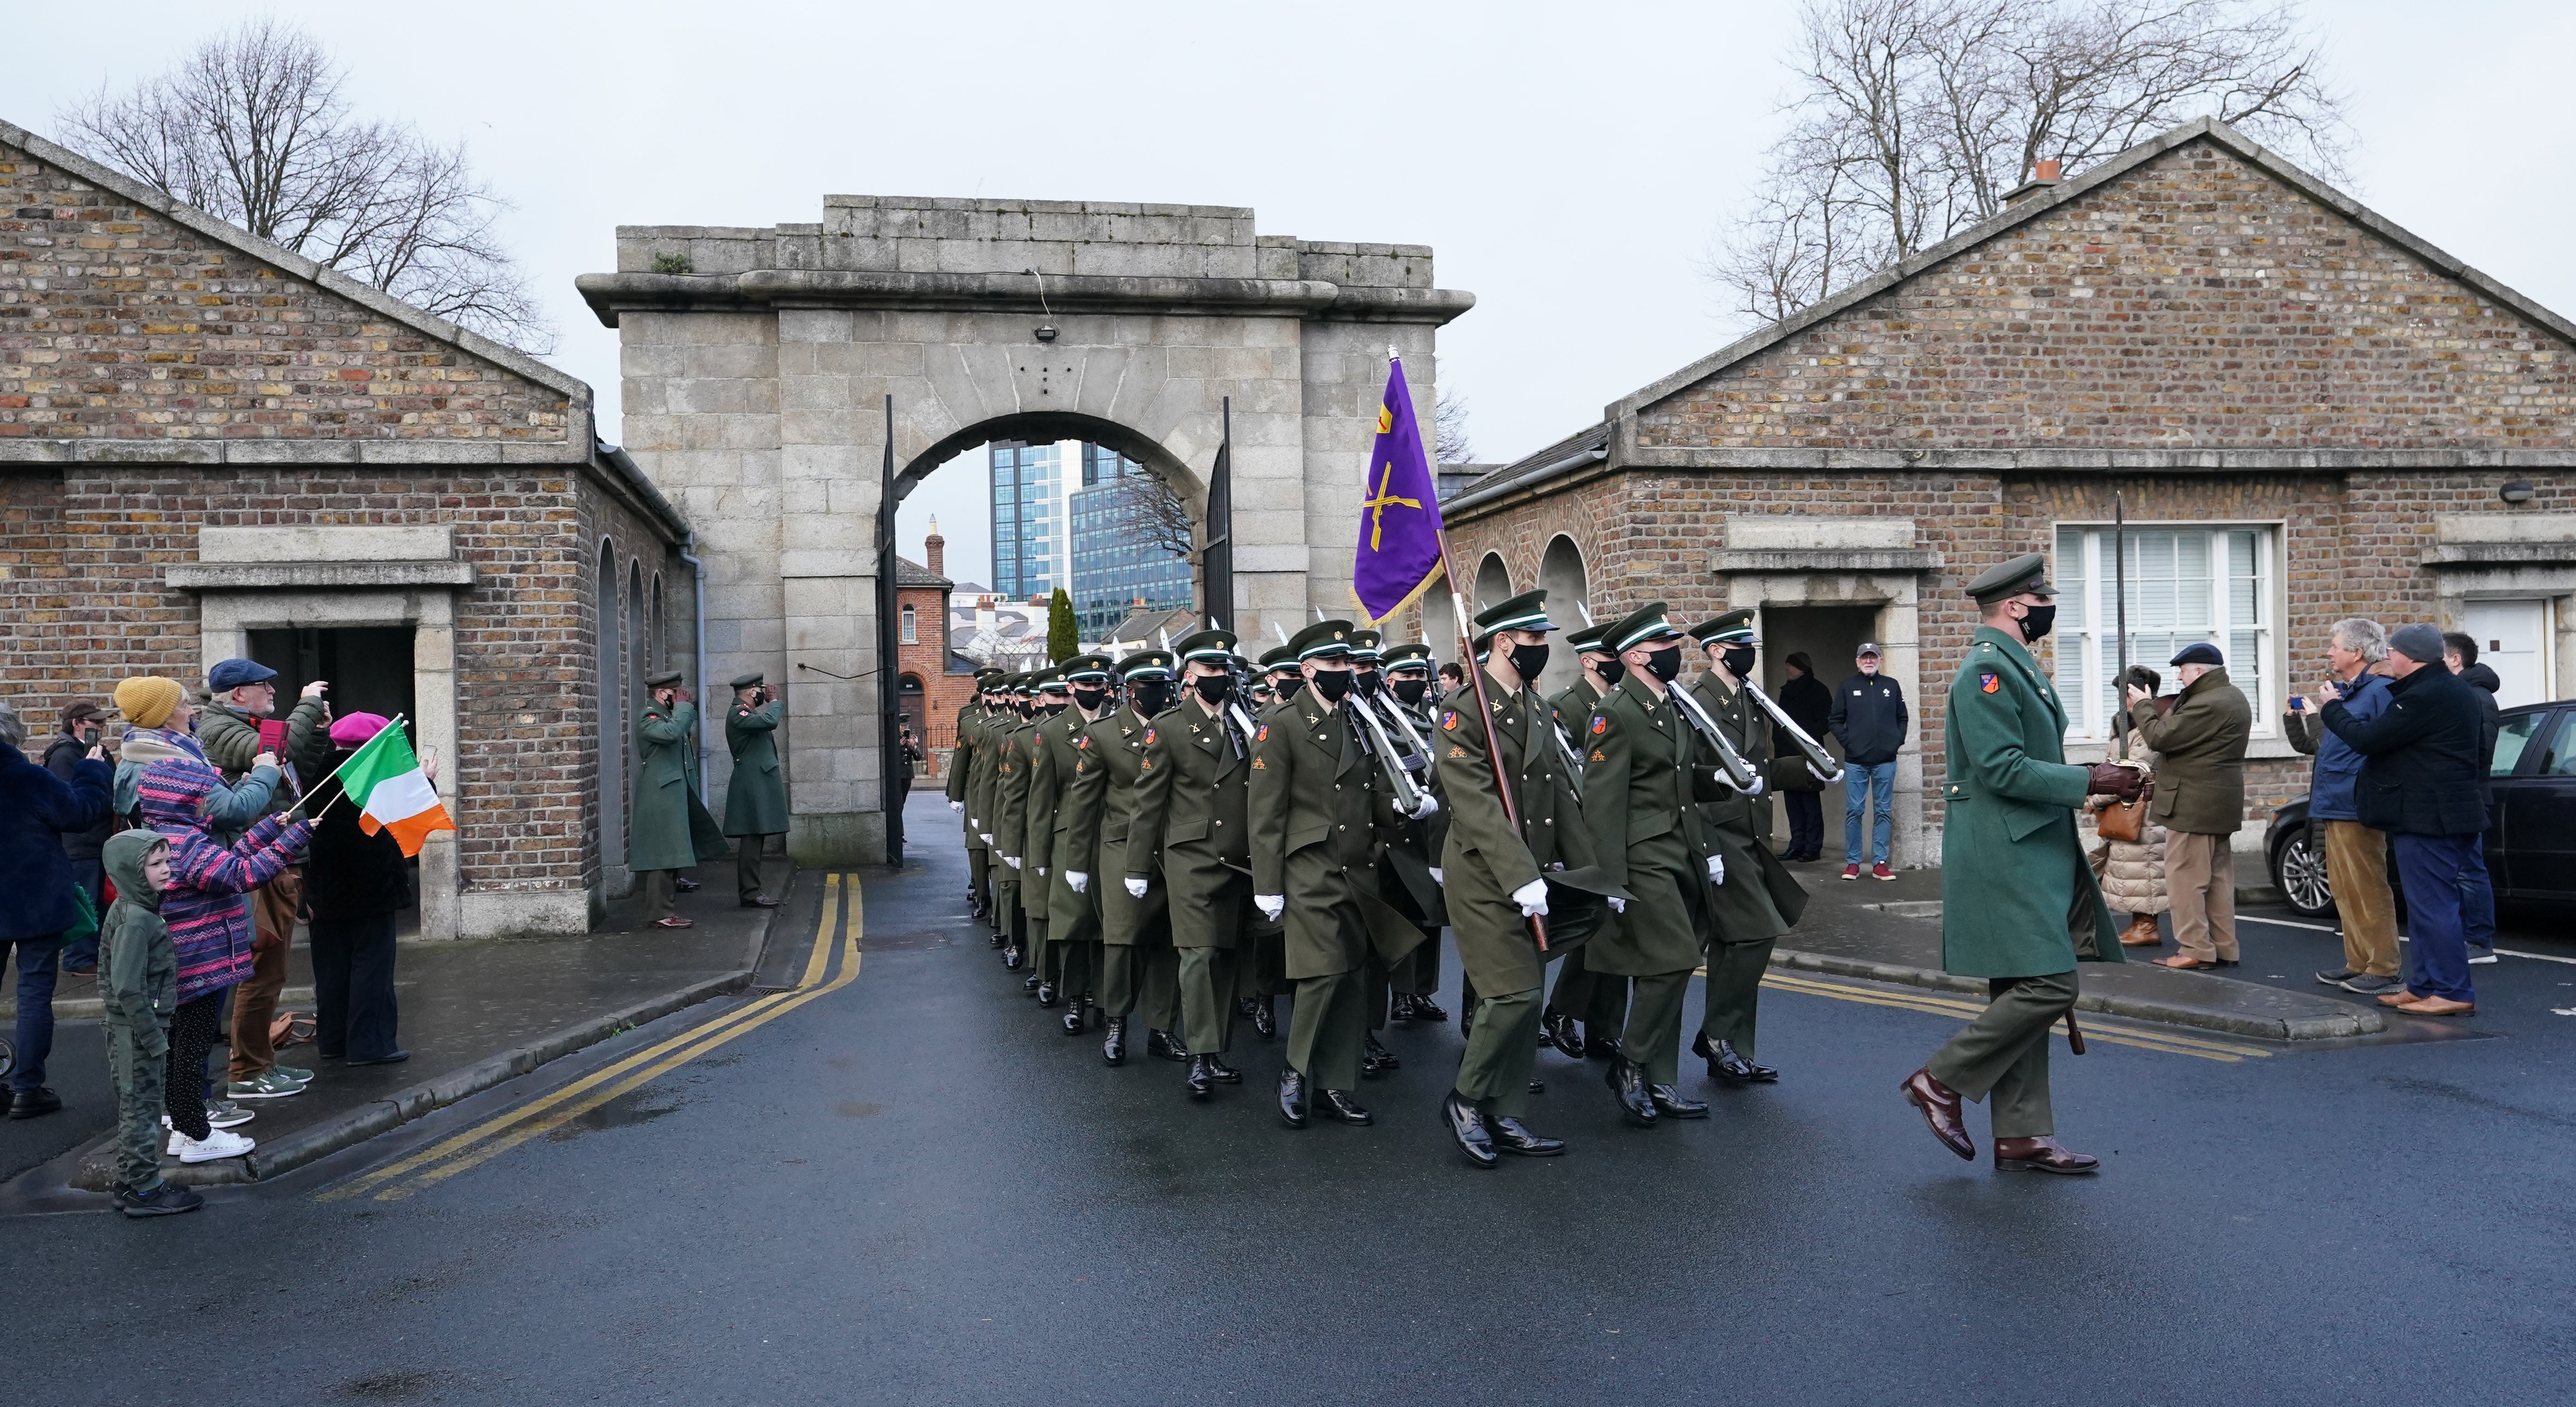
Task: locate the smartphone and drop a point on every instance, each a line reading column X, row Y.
column 2298, row 704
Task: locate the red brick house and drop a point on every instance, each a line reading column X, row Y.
column 2305, row 411
column 936, row 681
column 210, row 447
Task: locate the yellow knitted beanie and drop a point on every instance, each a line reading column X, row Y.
column 146, row 701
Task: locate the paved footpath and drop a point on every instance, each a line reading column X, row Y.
column 884, row 1175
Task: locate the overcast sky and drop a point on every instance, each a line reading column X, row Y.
column 1568, row 164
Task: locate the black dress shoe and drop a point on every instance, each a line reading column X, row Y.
column 1342, row 1109
column 1564, row 1032
column 760, row 901
column 1670, row 1104
column 1601, row 1047
column 1376, row 1059
column 1467, row 1023
column 1538, row 1086
column 31, row 1103
column 1244, row 1006
column 686, row 886
column 1011, row 956
column 1627, row 1081
column 1513, row 1136
column 1219, row 1071
column 1730, row 1064
column 1292, row 1098
column 1265, row 1021
column 1073, row 1019
column 1046, row 993
column 1163, row 1045
column 168, row 1199
column 994, row 941
column 1113, row 1047
column 1425, row 1009
column 1202, row 1080
column 1467, row 1125
column 1400, row 1009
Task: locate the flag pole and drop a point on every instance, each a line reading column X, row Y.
column 393, row 722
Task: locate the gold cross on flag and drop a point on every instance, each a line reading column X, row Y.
column 1377, row 506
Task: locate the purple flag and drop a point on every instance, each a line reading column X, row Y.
column 1399, row 552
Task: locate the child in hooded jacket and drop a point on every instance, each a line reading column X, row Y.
column 138, row 978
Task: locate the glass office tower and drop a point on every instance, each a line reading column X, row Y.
column 1115, row 562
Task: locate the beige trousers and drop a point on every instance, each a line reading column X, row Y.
column 2357, row 871
column 2200, row 878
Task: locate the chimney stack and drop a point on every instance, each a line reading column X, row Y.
column 934, row 551
column 2043, row 175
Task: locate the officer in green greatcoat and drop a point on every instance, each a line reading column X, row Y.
column 961, row 771
column 1495, row 872
column 1139, row 968
column 999, row 714
column 1262, row 977
column 1008, row 772
column 1758, row 899
column 1073, row 915
column 671, row 830
column 1022, row 828
column 2019, row 906
column 1584, row 1014
column 756, row 801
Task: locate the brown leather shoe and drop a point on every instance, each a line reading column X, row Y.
column 2400, row 997
column 1940, row 1106
column 2438, row 1006
column 2041, row 1155
column 2141, row 933
column 2182, row 962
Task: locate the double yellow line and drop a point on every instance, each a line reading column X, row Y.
column 503, row 1132
column 1937, row 1005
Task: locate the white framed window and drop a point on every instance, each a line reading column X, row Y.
column 911, row 625
column 2217, row 584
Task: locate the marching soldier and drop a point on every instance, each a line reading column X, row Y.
column 961, row 766
column 1313, row 796
column 2019, row 904
column 1493, row 873
column 1414, row 981
column 1138, row 963
column 996, row 721
column 1265, row 975
column 756, row 799
column 1584, row 1013
column 1400, row 842
column 1061, row 973
column 1641, row 776
column 1073, row 916
column 1012, row 757
column 1754, row 900
column 1190, row 829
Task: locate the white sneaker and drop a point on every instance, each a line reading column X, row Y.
column 222, row 1114
column 215, row 1145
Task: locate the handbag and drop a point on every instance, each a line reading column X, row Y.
column 2126, row 821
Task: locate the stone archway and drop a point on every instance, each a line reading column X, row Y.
column 759, row 363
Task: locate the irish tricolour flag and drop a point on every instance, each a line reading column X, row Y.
column 385, row 779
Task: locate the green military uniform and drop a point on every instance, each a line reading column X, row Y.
column 1584, row 1013
column 1025, row 831
column 1758, row 900
column 1192, row 829
column 1265, row 976
column 989, row 730
column 138, row 984
column 2019, row 904
column 671, row 830
column 1489, row 865
column 961, row 770
column 756, row 800
column 1005, row 791
column 1313, row 800
column 1073, row 916
column 1139, row 966
column 1642, row 772
column 1410, row 848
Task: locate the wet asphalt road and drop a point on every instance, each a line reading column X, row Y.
column 917, row 1189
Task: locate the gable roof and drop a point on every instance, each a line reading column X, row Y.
column 908, row 572
column 1615, row 432
column 332, row 281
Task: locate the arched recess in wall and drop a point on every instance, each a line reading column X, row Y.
column 1561, row 575
column 638, row 647
column 610, row 691
column 660, row 634
column 1493, row 583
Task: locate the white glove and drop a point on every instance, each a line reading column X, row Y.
column 1716, row 869
column 1430, row 806
column 988, row 836
column 1532, row 897
column 957, row 806
column 1136, row 889
column 1436, row 877
column 1081, row 882
column 1041, row 871
column 1011, row 860
column 1271, row 905
column 1617, row 906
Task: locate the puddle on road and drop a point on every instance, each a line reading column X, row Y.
column 905, row 942
column 619, row 1113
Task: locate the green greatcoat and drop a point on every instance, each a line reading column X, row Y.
column 1189, row 832
column 1064, row 745
column 1099, row 814
column 961, row 767
column 1014, row 757
column 1313, row 801
column 1647, row 835
column 989, row 733
column 671, row 829
column 756, row 802
column 2017, row 898
column 1484, row 858
column 1760, row 898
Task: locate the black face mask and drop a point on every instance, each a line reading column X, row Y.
column 1368, row 681
column 1410, row 691
column 1151, row 696
column 1738, row 661
column 1528, row 660
column 1091, row 699
column 1332, row 685
column 1214, row 688
column 1027, row 708
column 1053, row 706
column 2041, row 620
column 1611, row 670
column 1287, row 688
column 1666, row 663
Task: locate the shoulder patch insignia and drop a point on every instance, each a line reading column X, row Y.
column 1449, row 721
column 1262, row 735
column 1149, row 737
column 1082, row 742
column 1989, row 682
column 1600, row 725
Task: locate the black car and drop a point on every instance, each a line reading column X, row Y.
column 2531, row 820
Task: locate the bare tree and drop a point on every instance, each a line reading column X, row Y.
column 1142, row 510
column 252, row 129
column 1449, row 443
column 1910, row 120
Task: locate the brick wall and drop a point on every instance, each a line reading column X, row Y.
column 926, row 659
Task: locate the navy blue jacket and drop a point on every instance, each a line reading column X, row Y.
column 1869, row 718
column 2425, row 774
column 35, row 806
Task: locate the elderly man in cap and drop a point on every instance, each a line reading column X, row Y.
column 2019, row 905
column 2200, row 800
column 1869, row 719
column 671, row 830
column 756, row 799
column 229, row 731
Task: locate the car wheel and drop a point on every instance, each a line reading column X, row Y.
column 2299, row 872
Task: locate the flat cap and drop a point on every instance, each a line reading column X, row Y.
column 1527, row 611
column 1638, row 627
column 1325, row 639
column 746, row 681
column 1733, row 628
column 2418, row 642
column 2201, row 653
column 232, row 674
column 2025, row 573
column 664, row 680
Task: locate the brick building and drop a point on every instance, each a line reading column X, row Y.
column 2306, row 413
column 211, row 447
column 935, row 681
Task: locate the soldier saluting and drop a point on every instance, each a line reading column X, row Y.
column 2019, row 905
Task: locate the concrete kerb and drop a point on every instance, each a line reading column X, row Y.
column 2345, row 1021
